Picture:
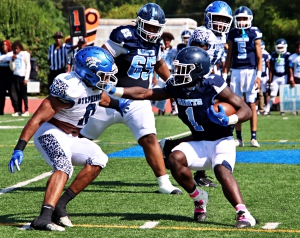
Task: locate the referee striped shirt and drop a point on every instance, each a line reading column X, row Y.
column 58, row 57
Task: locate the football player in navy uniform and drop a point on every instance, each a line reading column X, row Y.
column 56, row 125
column 137, row 52
column 185, row 36
column 212, row 38
column 264, row 81
column 245, row 59
column 279, row 71
column 213, row 147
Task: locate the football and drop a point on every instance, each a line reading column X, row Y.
column 230, row 110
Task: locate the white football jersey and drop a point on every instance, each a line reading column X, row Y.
column 215, row 42
column 294, row 62
column 68, row 87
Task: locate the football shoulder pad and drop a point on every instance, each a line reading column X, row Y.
column 67, row 87
column 123, row 34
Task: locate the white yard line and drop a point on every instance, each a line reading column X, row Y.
column 149, row 225
column 22, row 184
column 21, row 119
column 271, row 225
column 11, row 127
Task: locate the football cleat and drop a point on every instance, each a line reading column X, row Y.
column 200, row 214
column 254, row 143
column 44, row 225
column 239, row 143
column 201, row 179
column 169, row 190
column 62, row 221
column 244, row 219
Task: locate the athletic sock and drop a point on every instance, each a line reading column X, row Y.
column 253, row 135
column 239, row 135
column 46, row 212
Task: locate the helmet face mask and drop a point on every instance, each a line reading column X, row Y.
column 95, row 66
column 218, row 17
column 185, row 36
column 281, row 46
column 191, row 65
column 150, row 22
column 243, row 18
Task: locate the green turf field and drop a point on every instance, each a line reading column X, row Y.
column 123, row 197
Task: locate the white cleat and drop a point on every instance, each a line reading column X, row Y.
column 65, row 221
column 254, row 143
column 239, row 143
column 169, row 190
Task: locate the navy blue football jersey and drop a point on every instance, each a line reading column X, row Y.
column 243, row 51
column 280, row 63
column 180, row 46
column 137, row 66
column 192, row 106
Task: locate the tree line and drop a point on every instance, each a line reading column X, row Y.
column 34, row 21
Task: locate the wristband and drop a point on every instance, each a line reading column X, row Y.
column 233, row 119
column 224, row 75
column 258, row 74
column 119, row 92
column 114, row 103
column 21, row 145
column 291, row 78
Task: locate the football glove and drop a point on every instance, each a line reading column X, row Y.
column 16, row 160
column 123, row 106
column 220, row 117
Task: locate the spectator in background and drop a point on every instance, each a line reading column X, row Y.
column 185, row 36
column 279, row 70
column 57, row 57
column 5, row 75
column 263, row 92
column 294, row 68
column 20, row 65
column 168, row 55
column 81, row 44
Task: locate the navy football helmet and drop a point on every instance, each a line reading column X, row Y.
column 240, row 15
column 153, row 15
column 191, row 65
column 281, row 46
column 185, row 35
column 218, row 17
column 96, row 67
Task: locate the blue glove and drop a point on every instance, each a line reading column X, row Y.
column 110, row 89
column 16, row 160
column 123, row 106
column 220, row 117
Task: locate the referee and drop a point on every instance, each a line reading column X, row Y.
column 57, row 57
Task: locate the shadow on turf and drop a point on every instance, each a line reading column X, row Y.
column 14, row 220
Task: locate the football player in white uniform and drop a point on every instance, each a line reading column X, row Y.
column 56, row 124
column 137, row 53
column 212, row 38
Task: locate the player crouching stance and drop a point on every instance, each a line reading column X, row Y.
column 213, row 146
column 56, row 124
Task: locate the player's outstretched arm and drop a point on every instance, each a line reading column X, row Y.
column 139, row 93
column 48, row 108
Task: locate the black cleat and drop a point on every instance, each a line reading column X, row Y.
column 201, row 179
column 44, row 225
